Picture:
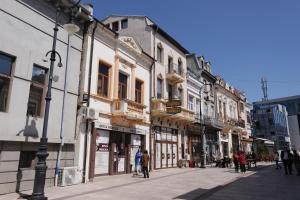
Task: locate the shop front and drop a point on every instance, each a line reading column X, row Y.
column 113, row 149
column 166, row 147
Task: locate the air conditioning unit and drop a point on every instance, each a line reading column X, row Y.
column 88, row 113
column 69, row 176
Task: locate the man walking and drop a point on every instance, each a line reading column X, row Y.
column 145, row 162
column 286, row 158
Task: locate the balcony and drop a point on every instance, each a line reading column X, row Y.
column 159, row 110
column 128, row 109
column 213, row 122
column 174, row 73
column 185, row 116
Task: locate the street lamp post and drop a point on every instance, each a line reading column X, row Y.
column 42, row 154
column 202, row 129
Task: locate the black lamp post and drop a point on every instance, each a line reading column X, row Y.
column 42, row 154
column 202, row 129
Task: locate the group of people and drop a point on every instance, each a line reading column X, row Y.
column 142, row 162
column 288, row 158
column 240, row 161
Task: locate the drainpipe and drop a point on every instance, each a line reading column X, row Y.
column 88, row 103
column 61, row 134
column 152, row 75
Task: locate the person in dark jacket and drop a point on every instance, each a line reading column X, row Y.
column 236, row 161
column 297, row 162
column 145, row 163
column 287, row 159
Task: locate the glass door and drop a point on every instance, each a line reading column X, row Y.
column 174, row 155
column 169, row 155
column 163, row 155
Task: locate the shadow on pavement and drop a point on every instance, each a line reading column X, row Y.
column 265, row 184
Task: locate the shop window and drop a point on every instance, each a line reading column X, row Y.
column 124, row 23
column 103, row 80
column 115, row 26
column 36, row 93
column 122, row 86
column 138, row 91
column 27, row 159
column 6, row 63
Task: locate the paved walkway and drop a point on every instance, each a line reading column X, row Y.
column 190, row 183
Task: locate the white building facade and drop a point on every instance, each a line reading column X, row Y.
column 27, row 38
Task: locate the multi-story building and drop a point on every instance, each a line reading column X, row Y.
column 24, row 73
column 292, row 105
column 231, row 111
column 117, row 79
column 271, row 122
column 246, row 138
column 201, row 100
column 169, row 113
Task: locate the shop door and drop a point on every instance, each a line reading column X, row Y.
column 119, row 152
column 169, row 155
column 174, row 155
column 163, row 155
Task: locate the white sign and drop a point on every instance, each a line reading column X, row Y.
column 101, row 162
column 136, row 140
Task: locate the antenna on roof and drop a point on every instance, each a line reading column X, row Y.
column 264, row 87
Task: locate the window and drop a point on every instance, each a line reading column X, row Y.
column 138, row 91
column 170, row 92
column 124, row 23
column 180, row 70
column 242, row 107
column 191, row 103
column 122, row 86
column 36, row 93
column 5, row 77
column 271, row 122
column 159, row 88
column 159, row 53
column 180, row 95
column 170, row 64
column 103, row 78
column 27, row 159
column 107, row 25
column 115, row 26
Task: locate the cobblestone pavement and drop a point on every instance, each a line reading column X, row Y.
column 192, row 183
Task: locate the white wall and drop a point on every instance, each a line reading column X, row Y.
column 294, row 131
column 28, row 41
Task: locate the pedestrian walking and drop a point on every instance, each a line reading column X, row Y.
column 145, row 162
column 236, row 161
column 276, row 158
column 286, row 158
column 242, row 161
column 138, row 159
column 297, row 161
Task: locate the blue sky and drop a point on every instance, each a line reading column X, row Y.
column 244, row 40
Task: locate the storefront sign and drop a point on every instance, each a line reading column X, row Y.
column 102, row 147
column 121, row 129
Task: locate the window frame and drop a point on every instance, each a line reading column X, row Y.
column 101, row 62
column 39, row 86
column 160, row 53
column 121, row 86
column 112, row 26
column 10, row 78
column 161, row 88
column 191, row 102
column 122, row 23
column 141, row 92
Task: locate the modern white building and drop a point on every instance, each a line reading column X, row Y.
column 25, row 38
